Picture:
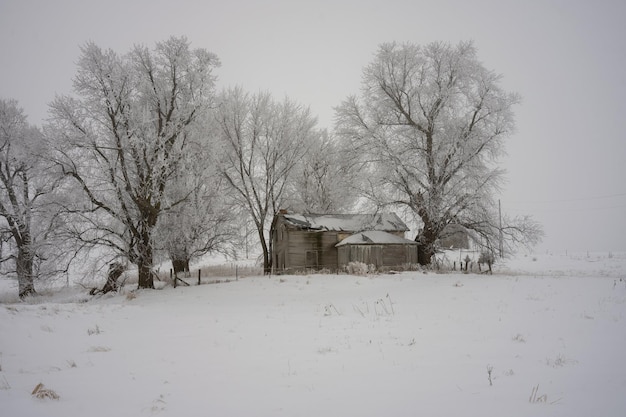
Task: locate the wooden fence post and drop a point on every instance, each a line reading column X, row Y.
column 199, row 273
column 171, row 275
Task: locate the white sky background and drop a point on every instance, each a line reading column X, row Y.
column 566, row 163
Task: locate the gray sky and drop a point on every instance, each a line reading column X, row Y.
column 566, row 163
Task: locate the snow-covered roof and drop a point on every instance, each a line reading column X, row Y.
column 375, row 237
column 389, row 222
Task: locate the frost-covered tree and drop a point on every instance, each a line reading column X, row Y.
column 27, row 193
column 263, row 140
column 323, row 180
column 205, row 223
column 121, row 139
column 428, row 129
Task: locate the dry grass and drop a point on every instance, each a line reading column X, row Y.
column 44, row 393
column 519, row 338
column 230, row 270
column 208, row 274
column 4, row 384
column 99, row 349
column 95, row 330
column 559, row 361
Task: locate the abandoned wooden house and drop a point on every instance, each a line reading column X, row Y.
column 331, row 241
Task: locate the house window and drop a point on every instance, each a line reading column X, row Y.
column 312, row 259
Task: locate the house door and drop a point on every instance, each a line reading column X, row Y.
column 312, row 259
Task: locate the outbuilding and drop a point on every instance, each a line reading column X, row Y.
column 377, row 248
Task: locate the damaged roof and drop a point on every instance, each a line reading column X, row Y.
column 387, row 222
column 375, row 237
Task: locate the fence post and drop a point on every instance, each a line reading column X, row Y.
column 171, row 277
column 199, row 272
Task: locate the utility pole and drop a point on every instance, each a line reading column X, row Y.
column 500, row 228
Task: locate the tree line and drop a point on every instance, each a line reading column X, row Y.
column 145, row 158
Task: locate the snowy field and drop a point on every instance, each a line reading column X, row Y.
column 545, row 335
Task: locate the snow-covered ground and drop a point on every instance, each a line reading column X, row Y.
column 544, row 336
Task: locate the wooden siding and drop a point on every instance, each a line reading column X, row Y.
column 310, row 249
column 368, row 254
column 378, row 255
column 304, row 249
column 396, row 255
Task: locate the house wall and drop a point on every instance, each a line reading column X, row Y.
column 280, row 243
column 301, row 249
column 311, row 249
column 368, row 254
column 396, row 255
column 378, row 255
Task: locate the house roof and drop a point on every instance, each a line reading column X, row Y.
column 388, row 222
column 375, row 237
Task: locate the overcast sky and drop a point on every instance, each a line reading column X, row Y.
column 566, row 163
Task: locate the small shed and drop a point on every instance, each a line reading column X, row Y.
column 377, row 248
column 308, row 241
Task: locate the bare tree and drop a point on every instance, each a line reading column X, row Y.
column 263, row 141
column 27, row 223
column 323, row 181
column 121, row 140
column 428, row 128
column 205, row 223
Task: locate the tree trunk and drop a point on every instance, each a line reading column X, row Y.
column 145, row 275
column 116, row 270
column 24, row 269
column 426, row 248
column 425, row 254
column 144, row 262
column 179, row 255
column 181, row 265
column 267, row 263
